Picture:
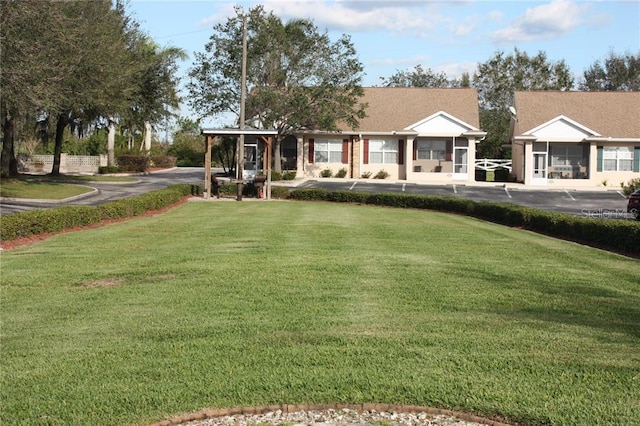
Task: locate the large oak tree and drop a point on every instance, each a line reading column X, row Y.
column 297, row 77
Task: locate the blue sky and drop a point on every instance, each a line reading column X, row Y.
column 449, row 36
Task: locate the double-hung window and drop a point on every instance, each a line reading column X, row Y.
column 431, row 150
column 383, row 151
column 328, row 150
column 617, row 159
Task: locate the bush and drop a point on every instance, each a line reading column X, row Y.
column 133, row 163
column 381, row 175
column 501, row 175
column 279, row 192
column 275, row 176
column 365, row 175
column 163, row 161
column 107, row 169
column 341, row 173
column 631, row 186
column 35, row 222
column 326, row 173
column 290, row 175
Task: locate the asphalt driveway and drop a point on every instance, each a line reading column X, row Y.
column 602, row 203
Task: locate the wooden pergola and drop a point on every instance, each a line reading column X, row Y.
column 266, row 136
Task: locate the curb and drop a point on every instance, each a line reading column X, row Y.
column 36, row 201
column 292, row 408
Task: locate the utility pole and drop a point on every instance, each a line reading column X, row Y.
column 243, row 95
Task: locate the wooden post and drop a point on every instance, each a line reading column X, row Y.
column 207, row 166
column 269, row 157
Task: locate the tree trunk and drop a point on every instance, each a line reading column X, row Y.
column 277, row 162
column 8, row 158
column 57, row 150
column 147, row 137
column 111, row 143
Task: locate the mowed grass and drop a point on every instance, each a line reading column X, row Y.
column 52, row 187
column 239, row 304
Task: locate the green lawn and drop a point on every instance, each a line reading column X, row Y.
column 235, row 304
column 51, row 187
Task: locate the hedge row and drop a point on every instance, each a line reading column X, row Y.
column 34, row 222
column 615, row 235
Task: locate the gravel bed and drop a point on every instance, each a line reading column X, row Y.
column 331, row 417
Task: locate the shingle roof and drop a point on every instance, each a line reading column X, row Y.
column 395, row 108
column 611, row 114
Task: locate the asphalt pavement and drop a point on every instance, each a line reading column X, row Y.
column 603, row 203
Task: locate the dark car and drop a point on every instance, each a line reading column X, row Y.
column 633, row 205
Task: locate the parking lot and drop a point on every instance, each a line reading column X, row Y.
column 599, row 203
column 608, row 204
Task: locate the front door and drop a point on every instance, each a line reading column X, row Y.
column 539, row 171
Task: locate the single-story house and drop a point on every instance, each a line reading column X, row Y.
column 418, row 134
column 575, row 139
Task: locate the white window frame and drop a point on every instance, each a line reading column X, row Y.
column 327, row 150
column 617, row 159
column 383, row 151
column 433, row 149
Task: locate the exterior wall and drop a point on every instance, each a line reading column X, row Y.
column 517, row 158
column 68, row 163
column 595, row 178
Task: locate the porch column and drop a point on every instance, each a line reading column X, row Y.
column 528, row 162
column 471, row 159
column 355, row 157
column 300, row 156
column 408, row 158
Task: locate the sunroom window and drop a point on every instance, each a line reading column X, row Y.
column 431, row 150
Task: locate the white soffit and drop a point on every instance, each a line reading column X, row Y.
column 561, row 128
column 440, row 123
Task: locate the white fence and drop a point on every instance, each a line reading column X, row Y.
column 68, row 163
column 488, row 164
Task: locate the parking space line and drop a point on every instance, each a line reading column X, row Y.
column 570, row 196
column 621, row 194
column 403, row 186
column 455, row 190
column 353, row 186
column 507, row 191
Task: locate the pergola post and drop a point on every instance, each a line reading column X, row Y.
column 208, row 141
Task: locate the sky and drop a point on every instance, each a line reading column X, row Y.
column 447, row 36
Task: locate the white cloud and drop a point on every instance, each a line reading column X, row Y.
column 546, row 21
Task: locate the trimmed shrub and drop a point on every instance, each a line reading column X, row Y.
column 290, row 175
column 279, row 192
column 381, row 175
column 133, row 163
column 35, row 222
column 341, row 173
column 365, row 175
column 107, row 169
column 163, row 161
column 326, row 173
column 276, row 176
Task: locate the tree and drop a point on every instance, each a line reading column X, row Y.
column 419, row 77
column 32, row 64
column 618, row 73
column 155, row 97
column 496, row 81
column 296, row 76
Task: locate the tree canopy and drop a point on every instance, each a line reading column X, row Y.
column 296, row 76
column 88, row 63
column 618, row 72
column 499, row 78
column 420, row 77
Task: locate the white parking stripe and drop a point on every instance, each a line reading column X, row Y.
column 403, row 186
column 455, row 190
column 570, row 196
column 353, row 186
column 622, row 194
column 507, row 191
